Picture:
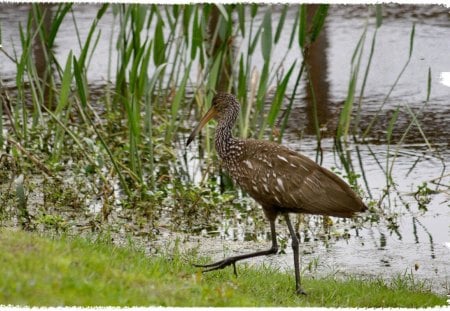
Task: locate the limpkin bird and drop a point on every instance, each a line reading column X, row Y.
column 281, row 180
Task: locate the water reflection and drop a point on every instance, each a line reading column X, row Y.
column 42, row 22
column 317, row 87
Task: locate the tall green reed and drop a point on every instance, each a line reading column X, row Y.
column 253, row 88
column 346, row 115
column 379, row 21
column 63, row 108
column 30, row 78
column 374, row 119
column 35, row 72
column 391, row 160
column 158, row 48
column 152, row 63
column 134, row 59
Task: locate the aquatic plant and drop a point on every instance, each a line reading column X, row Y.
column 165, row 63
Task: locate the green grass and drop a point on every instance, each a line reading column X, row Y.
column 41, row 271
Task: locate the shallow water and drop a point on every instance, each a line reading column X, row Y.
column 376, row 251
column 423, row 249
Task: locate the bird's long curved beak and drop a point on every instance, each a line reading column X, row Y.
column 208, row 116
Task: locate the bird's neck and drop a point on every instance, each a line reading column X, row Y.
column 223, row 138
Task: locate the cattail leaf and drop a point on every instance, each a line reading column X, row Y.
column 143, row 77
column 175, row 10
column 318, row 21
column 266, row 37
column 242, row 79
column 159, row 44
column 260, row 97
column 411, row 39
column 197, row 36
column 179, row 97
column 391, row 125
column 84, row 51
column 65, row 86
column 206, row 9
column 302, row 26
column 134, row 69
column 379, row 14
column 187, row 13
column 60, row 14
column 293, row 32
column 213, row 76
column 225, row 28
column 281, row 23
column 81, row 88
column 278, row 99
column 241, row 17
column 255, row 40
column 359, row 45
column 223, row 11
column 102, row 10
column 169, row 17
column 253, row 10
column 157, row 73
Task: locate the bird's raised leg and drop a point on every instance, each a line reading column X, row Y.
column 295, row 245
column 232, row 260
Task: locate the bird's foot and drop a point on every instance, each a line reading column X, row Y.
column 219, row 265
column 232, row 260
column 300, row 291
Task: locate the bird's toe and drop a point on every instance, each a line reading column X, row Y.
column 301, row 292
column 217, row 265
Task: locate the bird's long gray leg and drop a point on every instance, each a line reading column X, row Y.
column 232, row 260
column 295, row 246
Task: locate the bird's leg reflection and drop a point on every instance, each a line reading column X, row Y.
column 232, row 260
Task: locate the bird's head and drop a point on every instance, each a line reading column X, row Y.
column 223, row 105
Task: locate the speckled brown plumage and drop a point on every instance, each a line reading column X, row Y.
column 281, row 180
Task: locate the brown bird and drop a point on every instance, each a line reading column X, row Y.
column 281, row 180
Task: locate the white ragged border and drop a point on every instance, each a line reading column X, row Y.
column 444, row 79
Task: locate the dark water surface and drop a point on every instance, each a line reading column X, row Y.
column 424, row 246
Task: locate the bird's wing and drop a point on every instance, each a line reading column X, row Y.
column 277, row 176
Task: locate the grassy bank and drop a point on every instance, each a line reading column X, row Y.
column 42, row 271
